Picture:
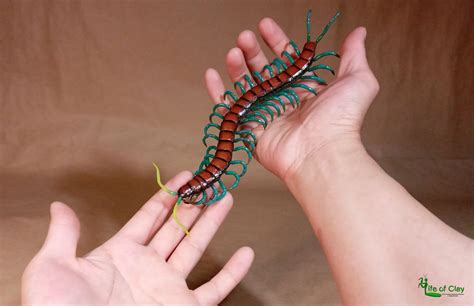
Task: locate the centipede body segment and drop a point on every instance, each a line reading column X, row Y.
column 265, row 100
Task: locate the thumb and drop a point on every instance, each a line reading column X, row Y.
column 353, row 57
column 63, row 233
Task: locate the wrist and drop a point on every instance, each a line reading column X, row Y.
column 322, row 164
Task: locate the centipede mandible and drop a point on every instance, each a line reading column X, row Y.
column 230, row 125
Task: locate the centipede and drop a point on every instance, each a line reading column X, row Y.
column 264, row 100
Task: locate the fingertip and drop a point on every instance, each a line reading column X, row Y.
column 267, row 25
column 233, row 57
column 211, row 74
column 247, row 253
column 246, row 39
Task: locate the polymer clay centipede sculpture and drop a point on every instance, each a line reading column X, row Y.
column 262, row 102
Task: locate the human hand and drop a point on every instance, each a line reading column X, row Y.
column 323, row 123
column 147, row 261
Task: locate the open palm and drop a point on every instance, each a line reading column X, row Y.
column 147, row 261
column 335, row 115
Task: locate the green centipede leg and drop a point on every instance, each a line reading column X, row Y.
column 215, row 114
column 231, row 94
column 243, row 164
column 258, row 76
column 250, row 143
column 203, row 198
column 213, row 197
column 209, row 136
column 322, row 67
column 258, row 114
column 324, row 54
column 295, row 47
column 246, row 133
column 305, row 87
column 250, row 118
column 269, row 69
column 261, row 106
column 236, row 176
column 280, row 102
column 294, row 95
column 314, row 78
column 240, row 86
column 279, row 64
column 249, row 81
column 220, row 105
column 209, row 149
column 246, row 150
column 290, row 98
column 272, row 105
column 223, row 191
column 326, row 28
column 288, row 56
column 210, row 125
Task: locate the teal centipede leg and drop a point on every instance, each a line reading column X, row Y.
column 202, row 199
column 272, row 105
column 250, row 118
column 249, row 81
column 288, row 56
column 241, row 163
column 262, row 107
column 290, row 98
column 280, row 102
column 220, row 105
column 258, row 76
column 209, row 149
column 305, row 87
column 214, row 196
column 250, row 143
column 247, row 133
column 294, row 95
column 324, row 54
column 223, row 190
column 308, row 25
column 246, row 150
column 236, row 177
column 279, row 65
column 231, row 94
column 322, row 67
column 326, row 28
column 215, row 114
column 207, row 136
column 314, row 78
column 240, row 86
column 268, row 68
column 295, row 47
column 210, row 125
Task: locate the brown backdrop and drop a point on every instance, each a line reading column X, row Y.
column 93, row 92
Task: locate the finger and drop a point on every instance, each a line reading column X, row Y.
column 215, row 291
column 215, row 85
column 63, row 233
column 170, row 234
column 190, row 250
column 237, row 68
column 273, row 36
column 149, row 218
column 254, row 56
column 353, row 57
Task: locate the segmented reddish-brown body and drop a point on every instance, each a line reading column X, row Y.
column 228, row 127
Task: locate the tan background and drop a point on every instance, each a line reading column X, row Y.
column 93, row 92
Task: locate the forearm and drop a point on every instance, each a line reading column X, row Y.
column 378, row 239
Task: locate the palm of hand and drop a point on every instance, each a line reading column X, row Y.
column 336, row 114
column 120, row 271
column 147, row 261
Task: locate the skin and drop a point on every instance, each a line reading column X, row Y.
column 377, row 238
